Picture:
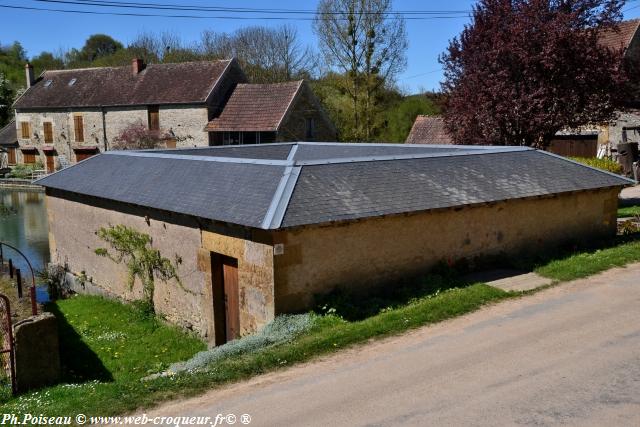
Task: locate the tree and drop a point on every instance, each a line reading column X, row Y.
column 137, row 136
column 95, row 47
column 46, row 61
column 266, row 54
column 368, row 44
column 525, row 69
column 6, row 99
column 402, row 114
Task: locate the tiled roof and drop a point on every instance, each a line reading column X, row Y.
column 429, row 130
column 622, row 37
column 156, row 84
column 297, row 184
column 9, row 135
column 256, row 107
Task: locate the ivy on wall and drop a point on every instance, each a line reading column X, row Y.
column 133, row 248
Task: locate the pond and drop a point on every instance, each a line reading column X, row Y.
column 24, row 225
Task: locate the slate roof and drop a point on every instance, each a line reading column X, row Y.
column 622, row 37
column 429, row 130
column 323, row 182
column 9, row 135
column 157, row 84
column 256, row 107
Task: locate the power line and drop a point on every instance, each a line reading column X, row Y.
column 191, row 16
column 183, row 7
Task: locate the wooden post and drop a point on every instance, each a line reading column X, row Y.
column 19, row 282
column 34, row 306
column 10, row 269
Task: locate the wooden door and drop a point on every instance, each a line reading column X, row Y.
column 51, row 163
column 226, row 298
column 231, row 297
column 11, row 155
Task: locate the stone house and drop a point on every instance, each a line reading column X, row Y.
column 66, row 116
column 260, row 113
column 8, row 145
column 261, row 229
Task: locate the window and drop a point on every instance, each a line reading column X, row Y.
column 78, row 128
column 309, row 128
column 48, row 132
column 11, row 154
column 231, row 138
column 29, row 157
column 25, row 130
column 85, row 153
column 154, row 117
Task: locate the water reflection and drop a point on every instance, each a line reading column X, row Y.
column 26, row 228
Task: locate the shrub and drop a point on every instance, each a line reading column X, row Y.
column 282, row 329
column 137, row 136
column 606, row 164
column 24, row 171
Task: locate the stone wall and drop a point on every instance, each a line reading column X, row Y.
column 187, row 123
column 306, row 106
column 37, row 352
column 363, row 254
column 74, row 220
column 73, row 224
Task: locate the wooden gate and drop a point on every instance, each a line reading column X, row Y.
column 6, row 343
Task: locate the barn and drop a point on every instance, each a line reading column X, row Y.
column 262, row 229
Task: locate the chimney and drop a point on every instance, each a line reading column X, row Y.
column 137, row 65
column 28, row 68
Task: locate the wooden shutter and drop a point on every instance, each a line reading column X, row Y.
column 48, row 132
column 25, row 131
column 11, row 151
column 154, row 118
column 29, row 157
column 78, row 128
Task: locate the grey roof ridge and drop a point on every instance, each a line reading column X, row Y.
column 208, row 147
column 406, row 156
column 417, row 146
column 629, row 180
column 280, row 202
column 150, row 154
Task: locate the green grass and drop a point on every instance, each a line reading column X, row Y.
column 103, row 375
column 587, row 263
column 108, row 347
column 628, row 211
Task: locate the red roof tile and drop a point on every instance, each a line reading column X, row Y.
column 429, row 130
column 256, row 107
column 622, row 37
column 184, row 83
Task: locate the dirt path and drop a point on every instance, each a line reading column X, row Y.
column 567, row 355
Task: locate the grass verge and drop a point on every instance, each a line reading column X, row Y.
column 627, row 211
column 587, row 263
column 108, row 347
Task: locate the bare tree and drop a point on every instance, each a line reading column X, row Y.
column 368, row 43
column 267, row 54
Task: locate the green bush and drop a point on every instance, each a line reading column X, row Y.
column 24, row 171
column 606, row 164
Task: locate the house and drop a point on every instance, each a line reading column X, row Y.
column 8, row 145
column 260, row 113
column 267, row 227
column 69, row 115
column 429, row 130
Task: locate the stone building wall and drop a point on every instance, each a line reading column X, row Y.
column 187, row 123
column 74, row 219
column 306, row 106
column 360, row 255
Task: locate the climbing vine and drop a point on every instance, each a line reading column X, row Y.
column 132, row 248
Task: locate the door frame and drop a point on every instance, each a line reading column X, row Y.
column 226, row 298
